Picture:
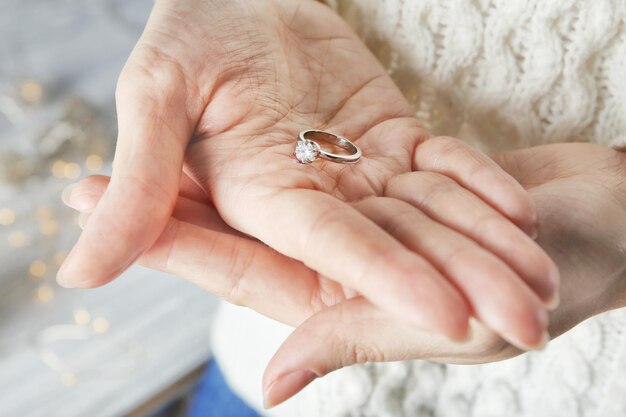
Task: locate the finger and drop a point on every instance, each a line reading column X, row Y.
column 201, row 249
column 496, row 295
column 479, row 174
column 145, row 181
column 355, row 331
column 85, row 195
column 337, row 241
column 445, row 201
column 239, row 270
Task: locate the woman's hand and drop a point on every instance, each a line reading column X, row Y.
column 423, row 228
column 581, row 197
column 580, row 194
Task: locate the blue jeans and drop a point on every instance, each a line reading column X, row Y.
column 213, row 397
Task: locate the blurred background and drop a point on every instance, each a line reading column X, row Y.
column 134, row 347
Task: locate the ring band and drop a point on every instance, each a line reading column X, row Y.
column 308, row 150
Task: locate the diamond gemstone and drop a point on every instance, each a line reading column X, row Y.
column 306, row 151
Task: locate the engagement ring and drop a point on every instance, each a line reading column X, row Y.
column 308, row 150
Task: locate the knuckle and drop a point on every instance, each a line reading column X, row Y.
column 446, row 148
column 224, row 270
column 150, row 73
column 462, row 254
column 355, row 352
column 423, row 185
column 125, row 82
column 444, row 145
column 490, row 224
column 237, row 273
column 435, row 188
column 479, row 171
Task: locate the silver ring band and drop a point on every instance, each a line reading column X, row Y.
column 308, row 150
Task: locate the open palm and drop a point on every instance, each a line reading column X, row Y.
column 424, row 228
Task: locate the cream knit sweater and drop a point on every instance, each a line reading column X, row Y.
column 500, row 74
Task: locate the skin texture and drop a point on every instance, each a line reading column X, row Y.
column 213, row 95
column 580, row 194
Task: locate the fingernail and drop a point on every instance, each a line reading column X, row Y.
column 543, row 321
column 61, row 278
column 540, row 345
column 286, row 386
column 82, row 219
column 534, row 233
column 66, row 194
column 543, row 342
column 468, row 336
column 554, row 302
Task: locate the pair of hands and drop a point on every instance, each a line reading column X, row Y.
column 420, row 233
column 581, row 200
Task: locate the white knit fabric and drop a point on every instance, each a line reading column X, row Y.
column 501, row 75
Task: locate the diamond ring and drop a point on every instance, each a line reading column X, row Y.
column 308, row 150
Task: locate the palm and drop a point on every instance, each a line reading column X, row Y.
column 577, row 189
column 229, row 85
column 304, row 68
column 310, row 71
column 303, row 78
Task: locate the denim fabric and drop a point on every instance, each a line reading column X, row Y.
column 213, row 397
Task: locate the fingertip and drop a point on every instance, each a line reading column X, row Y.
column 540, row 344
column 286, row 386
column 66, row 195
column 60, row 278
column 553, row 303
column 67, row 278
column 85, row 194
column 84, row 267
column 427, row 300
column 554, row 279
column 522, row 211
column 533, row 336
column 460, row 331
column 469, row 335
column 514, row 202
column 451, row 321
column 545, row 278
column 70, row 276
column 83, row 217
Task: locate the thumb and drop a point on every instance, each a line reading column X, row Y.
column 153, row 133
column 355, row 331
column 347, row 333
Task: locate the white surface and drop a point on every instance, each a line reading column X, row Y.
column 164, row 319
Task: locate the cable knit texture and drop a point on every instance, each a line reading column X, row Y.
column 501, row 75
